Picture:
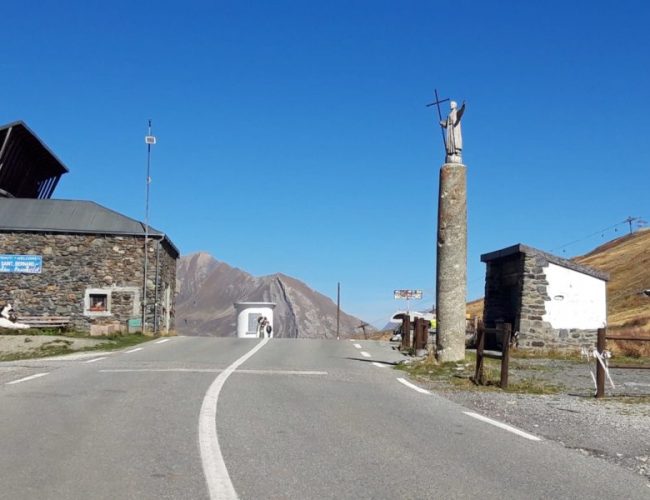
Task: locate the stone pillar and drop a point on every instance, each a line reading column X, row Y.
column 451, row 274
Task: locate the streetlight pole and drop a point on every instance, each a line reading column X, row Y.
column 149, row 140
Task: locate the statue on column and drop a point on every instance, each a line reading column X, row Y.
column 453, row 136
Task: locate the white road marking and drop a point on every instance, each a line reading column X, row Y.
column 501, row 425
column 212, row 370
column 77, row 356
column 133, row 350
column 366, row 354
column 358, row 346
column 95, row 359
column 220, row 486
column 162, row 341
column 25, row 379
column 413, row 386
column 379, row 365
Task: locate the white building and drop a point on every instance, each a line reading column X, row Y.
column 550, row 301
column 251, row 316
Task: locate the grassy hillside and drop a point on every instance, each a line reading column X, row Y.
column 627, row 260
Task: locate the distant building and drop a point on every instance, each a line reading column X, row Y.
column 71, row 258
column 550, row 301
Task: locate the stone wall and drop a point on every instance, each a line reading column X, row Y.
column 73, row 264
column 516, row 292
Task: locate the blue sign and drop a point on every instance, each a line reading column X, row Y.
column 32, row 264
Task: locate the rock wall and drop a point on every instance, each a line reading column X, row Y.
column 73, row 264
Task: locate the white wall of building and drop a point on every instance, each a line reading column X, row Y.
column 247, row 314
column 577, row 300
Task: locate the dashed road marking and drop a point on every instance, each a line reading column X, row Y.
column 358, row 346
column 413, row 386
column 501, row 425
column 379, row 365
column 211, row 370
column 133, row 350
column 365, row 354
column 25, row 379
column 162, row 341
column 95, row 359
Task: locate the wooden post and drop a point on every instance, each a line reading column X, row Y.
column 505, row 354
column 420, row 340
column 600, row 371
column 479, row 377
column 406, row 331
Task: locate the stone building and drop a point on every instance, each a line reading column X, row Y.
column 83, row 261
column 552, row 302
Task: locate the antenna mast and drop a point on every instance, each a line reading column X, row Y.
column 149, row 140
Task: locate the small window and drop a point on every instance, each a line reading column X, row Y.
column 98, row 302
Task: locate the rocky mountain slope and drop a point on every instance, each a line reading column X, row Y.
column 207, row 290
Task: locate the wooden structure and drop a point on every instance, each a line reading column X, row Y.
column 603, row 337
column 503, row 332
column 59, row 322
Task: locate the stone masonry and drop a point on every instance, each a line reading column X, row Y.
column 516, row 293
column 76, row 263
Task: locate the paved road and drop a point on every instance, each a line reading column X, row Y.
column 297, row 419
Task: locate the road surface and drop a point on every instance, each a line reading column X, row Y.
column 215, row 418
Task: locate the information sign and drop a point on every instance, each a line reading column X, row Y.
column 31, row 264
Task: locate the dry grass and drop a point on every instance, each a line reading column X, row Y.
column 627, row 260
column 630, row 348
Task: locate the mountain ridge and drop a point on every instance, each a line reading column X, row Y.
column 208, row 288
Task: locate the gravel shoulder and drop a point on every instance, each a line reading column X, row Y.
column 616, row 428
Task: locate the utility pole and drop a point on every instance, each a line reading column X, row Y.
column 149, row 140
column 338, row 309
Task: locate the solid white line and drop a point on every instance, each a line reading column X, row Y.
column 220, row 486
column 31, row 377
column 162, row 341
column 501, row 425
column 95, row 359
column 379, row 365
column 365, row 354
column 133, row 350
column 358, row 346
column 412, row 386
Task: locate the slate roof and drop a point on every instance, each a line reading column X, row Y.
column 69, row 216
column 28, row 168
column 559, row 261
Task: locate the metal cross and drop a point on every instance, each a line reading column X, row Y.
column 437, row 103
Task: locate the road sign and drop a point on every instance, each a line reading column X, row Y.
column 407, row 294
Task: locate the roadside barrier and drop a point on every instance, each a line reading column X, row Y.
column 602, row 356
column 503, row 331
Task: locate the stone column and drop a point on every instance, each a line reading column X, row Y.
column 451, row 277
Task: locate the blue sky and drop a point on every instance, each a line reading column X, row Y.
column 293, row 137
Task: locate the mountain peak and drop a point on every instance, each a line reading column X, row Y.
column 208, row 289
